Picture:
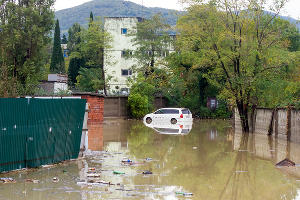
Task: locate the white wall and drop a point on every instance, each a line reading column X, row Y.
column 113, row 61
column 60, row 87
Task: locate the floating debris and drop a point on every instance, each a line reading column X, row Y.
column 117, row 172
column 81, row 182
column 242, row 150
column 93, row 182
column 93, row 175
column 148, row 159
column 55, row 179
column 241, row 171
column 7, row 180
column 195, row 148
column 184, row 193
column 147, row 172
column 32, row 181
column 127, row 161
column 286, row 163
column 92, row 169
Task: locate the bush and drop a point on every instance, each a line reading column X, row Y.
column 138, row 104
column 221, row 112
column 90, row 80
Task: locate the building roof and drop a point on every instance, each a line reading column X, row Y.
column 138, row 18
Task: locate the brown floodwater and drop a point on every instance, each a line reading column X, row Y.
column 208, row 162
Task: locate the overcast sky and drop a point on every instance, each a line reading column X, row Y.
column 292, row 8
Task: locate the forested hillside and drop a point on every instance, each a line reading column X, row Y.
column 110, row 8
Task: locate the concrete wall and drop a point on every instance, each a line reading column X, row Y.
column 263, row 119
column 280, row 124
column 117, row 106
column 295, row 125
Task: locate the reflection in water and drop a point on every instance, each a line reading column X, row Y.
column 166, row 127
column 95, row 136
column 212, row 162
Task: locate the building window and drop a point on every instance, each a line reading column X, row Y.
column 126, row 72
column 124, row 91
column 126, row 53
column 123, row 31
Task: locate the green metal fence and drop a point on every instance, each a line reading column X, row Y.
column 35, row 132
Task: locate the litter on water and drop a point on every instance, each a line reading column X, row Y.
column 184, row 193
column 7, row 180
column 117, row 172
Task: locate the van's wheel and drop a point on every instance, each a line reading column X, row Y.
column 173, row 121
column 148, row 120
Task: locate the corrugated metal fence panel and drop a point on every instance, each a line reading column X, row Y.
column 35, row 132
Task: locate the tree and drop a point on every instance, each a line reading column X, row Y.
column 91, row 18
column 93, row 41
column 64, row 39
column 25, row 27
column 239, row 42
column 74, row 37
column 57, row 59
column 73, row 46
column 152, row 40
column 73, row 70
column 90, row 80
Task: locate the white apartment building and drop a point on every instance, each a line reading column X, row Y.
column 116, row 65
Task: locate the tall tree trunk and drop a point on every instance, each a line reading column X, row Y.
column 253, row 118
column 243, row 112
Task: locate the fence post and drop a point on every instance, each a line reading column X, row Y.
column 119, row 107
column 288, row 125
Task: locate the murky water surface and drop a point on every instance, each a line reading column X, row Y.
column 208, row 162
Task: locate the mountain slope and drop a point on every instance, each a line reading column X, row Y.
column 292, row 21
column 119, row 8
column 110, row 8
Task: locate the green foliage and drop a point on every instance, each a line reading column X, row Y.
column 74, row 37
column 151, row 40
column 90, row 80
column 91, row 17
column 73, row 70
column 88, row 55
column 141, row 90
column 24, row 31
column 93, row 41
column 57, row 59
column 241, row 45
column 138, row 104
column 64, row 39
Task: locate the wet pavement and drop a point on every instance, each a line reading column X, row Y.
column 132, row 161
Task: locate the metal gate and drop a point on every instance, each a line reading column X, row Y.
column 35, row 132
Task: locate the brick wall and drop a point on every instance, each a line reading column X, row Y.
column 95, row 120
column 96, row 107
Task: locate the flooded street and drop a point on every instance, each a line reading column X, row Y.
column 208, row 162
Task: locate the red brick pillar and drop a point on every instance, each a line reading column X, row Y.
column 95, row 121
